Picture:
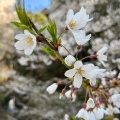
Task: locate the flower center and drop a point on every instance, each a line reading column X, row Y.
column 29, row 40
column 90, row 102
column 72, row 24
column 80, row 71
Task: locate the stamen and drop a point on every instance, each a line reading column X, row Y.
column 72, row 24
column 29, row 40
column 80, row 71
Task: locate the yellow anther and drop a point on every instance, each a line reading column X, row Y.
column 29, row 40
column 72, row 23
column 80, row 71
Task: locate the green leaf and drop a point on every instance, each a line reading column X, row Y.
column 41, row 29
column 49, row 51
column 22, row 15
column 22, row 26
column 52, row 29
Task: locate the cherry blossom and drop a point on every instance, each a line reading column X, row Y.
column 100, row 55
column 27, row 42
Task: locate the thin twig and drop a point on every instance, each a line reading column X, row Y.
column 65, row 48
column 34, row 27
column 91, row 56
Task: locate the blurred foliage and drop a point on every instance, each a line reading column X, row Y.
column 2, row 98
column 38, row 17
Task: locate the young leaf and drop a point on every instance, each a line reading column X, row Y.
column 22, row 26
column 22, row 15
column 41, row 29
column 49, row 51
column 52, row 29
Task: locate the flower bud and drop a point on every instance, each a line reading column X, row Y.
column 70, row 95
column 90, row 103
column 66, row 117
column 74, row 97
column 69, row 60
column 11, row 104
column 52, row 88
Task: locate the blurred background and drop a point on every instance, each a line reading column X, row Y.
column 24, row 79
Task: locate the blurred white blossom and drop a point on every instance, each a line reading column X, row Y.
column 100, row 55
column 116, row 100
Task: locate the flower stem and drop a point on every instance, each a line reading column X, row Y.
column 65, row 49
column 91, row 56
column 62, row 33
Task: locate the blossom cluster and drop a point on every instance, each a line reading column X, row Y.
column 99, row 90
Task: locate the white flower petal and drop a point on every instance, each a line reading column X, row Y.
column 99, row 113
column 52, row 88
column 86, row 39
column 83, row 10
column 116, row 110
column 26, row 32
column 92, row 116
column 90, row 103
column 28, row 50
column 83, row 114
column 70, row 73
column 20, row 36
column 70, row 15
column 21, row 45
column 88, row 75
column 102, row 50
column 80, row 113
column 105, row 112
column 78, row 64
column 103, row 63
column 80, row 36
column 116, row 100
column 88, row 67
column 81, row 18
column 66, row 117
column 68, row 94
column 74, row 97
column 77, row 80
column 69, row 60
column 100, row 55
column 92, row 81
